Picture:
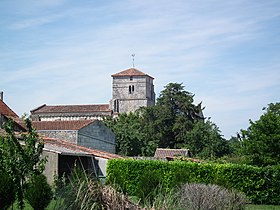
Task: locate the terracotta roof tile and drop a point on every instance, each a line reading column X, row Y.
column 79, row 149
column 61, row 125
column 130, row 72
column 72, row 108
column 163, row 153
column 5, row 110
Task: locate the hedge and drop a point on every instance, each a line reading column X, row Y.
column 140, row 177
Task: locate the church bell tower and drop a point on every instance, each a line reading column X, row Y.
column 132, row 89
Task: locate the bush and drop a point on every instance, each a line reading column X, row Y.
column 261, row 185
column 86, row 192
column 204, row 197
column 7, row 191
column 38, row 192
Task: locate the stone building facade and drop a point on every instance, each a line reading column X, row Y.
column 87, row 133
column 132, row 89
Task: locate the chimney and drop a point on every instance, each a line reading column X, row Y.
column 1, row 95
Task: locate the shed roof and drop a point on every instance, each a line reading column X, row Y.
column 72, row 108
column 131, row 72
column 163, row 153
column 64, row 147
column 61, row 125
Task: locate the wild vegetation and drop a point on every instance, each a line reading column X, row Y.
column 20, row 163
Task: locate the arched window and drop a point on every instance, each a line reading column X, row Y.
column 129, row 89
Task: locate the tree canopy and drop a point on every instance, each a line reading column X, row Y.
column 174, row 122
column 261, row 141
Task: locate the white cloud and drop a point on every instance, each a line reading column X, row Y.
column 79, row 46
column 33, row 22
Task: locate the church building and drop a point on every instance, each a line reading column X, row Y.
column 131, row 89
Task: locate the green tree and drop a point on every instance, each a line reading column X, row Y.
column 205, row 140
column 174, row 122
column 261, row 141
column 20, row 156
column 129, row 135
column 173, row 116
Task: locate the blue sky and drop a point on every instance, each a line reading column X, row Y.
column 64, row 51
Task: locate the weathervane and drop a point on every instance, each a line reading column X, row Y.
column 133, row 55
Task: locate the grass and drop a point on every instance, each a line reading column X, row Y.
column 262, row 207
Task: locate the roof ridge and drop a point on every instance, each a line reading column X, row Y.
column 73, row 146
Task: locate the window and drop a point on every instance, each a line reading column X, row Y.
column 131, row 78
column 131, row 89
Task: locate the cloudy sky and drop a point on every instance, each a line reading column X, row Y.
column 64, row 51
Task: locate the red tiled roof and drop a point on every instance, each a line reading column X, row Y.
column 72, row 108
column 163, row 153
column 61, row 125
column 5, row 110
column 130, row 72
column 78, row 148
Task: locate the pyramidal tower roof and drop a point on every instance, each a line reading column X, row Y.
column 131, row 72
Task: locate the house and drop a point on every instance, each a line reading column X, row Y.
column 62, row 156
column 131, row 90
column 88, row 133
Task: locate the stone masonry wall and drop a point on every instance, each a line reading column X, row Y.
column 130, row 93
column 68, row 135
column 97, row 136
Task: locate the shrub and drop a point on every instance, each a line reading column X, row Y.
column 7, row 191
column 134, row 177
column 206, row 197
column 38, row 192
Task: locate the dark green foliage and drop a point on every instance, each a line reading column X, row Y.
column 128, row 131
column 38, row 192
column 21, row 158
column 261, row 185
column 261, row 141
column 205, row 140
column 7, row 191
column 174, row 122
column 173, row 116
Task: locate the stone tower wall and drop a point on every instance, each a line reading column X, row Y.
column 131, row 93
